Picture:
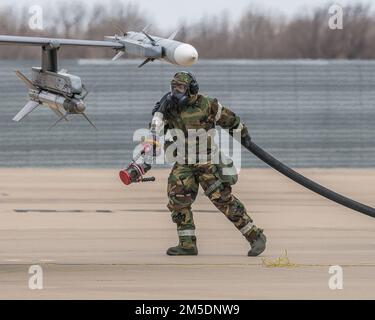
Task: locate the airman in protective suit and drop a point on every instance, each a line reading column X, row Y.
column 185, row 109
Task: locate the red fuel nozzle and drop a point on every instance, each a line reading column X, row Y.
column 134, row 173
column 125, row 177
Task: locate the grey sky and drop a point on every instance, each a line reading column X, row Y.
column 167, row 13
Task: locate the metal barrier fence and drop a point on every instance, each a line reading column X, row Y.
column 306, row 113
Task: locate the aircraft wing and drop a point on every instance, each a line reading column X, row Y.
column 55, row 42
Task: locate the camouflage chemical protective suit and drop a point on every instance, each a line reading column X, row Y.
column 204, row 112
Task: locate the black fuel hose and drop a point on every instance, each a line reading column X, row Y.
column 307, row 183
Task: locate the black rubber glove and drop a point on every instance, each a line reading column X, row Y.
column 162, row 105
column 245, row 137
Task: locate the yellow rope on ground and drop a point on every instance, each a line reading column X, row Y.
column 281, row 262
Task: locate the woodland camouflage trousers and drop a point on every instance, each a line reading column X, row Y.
column 183, row 185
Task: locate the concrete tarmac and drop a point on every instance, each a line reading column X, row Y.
column 96, row 238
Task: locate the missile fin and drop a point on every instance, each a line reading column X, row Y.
column 28, row 108
column 118, row 55
column 146, row 61
column 173, row 35
column 149, row 38
column 119, row 29
column 146, row 28
column 87, row 118
column 26, row 80
column 59, row 113
column 58, row 120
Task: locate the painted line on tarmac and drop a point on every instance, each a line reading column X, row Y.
column 47, row 260
column 59, row 211
column 12, row 260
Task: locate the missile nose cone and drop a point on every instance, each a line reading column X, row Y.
column 185, row 55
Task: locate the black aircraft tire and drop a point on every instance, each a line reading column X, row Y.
column 309, row 184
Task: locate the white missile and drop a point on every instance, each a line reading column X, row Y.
column 155, row 48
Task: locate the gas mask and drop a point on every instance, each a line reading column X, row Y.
column 179, row 94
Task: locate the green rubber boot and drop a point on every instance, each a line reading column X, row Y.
column 187, row 247
column 257, row 242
